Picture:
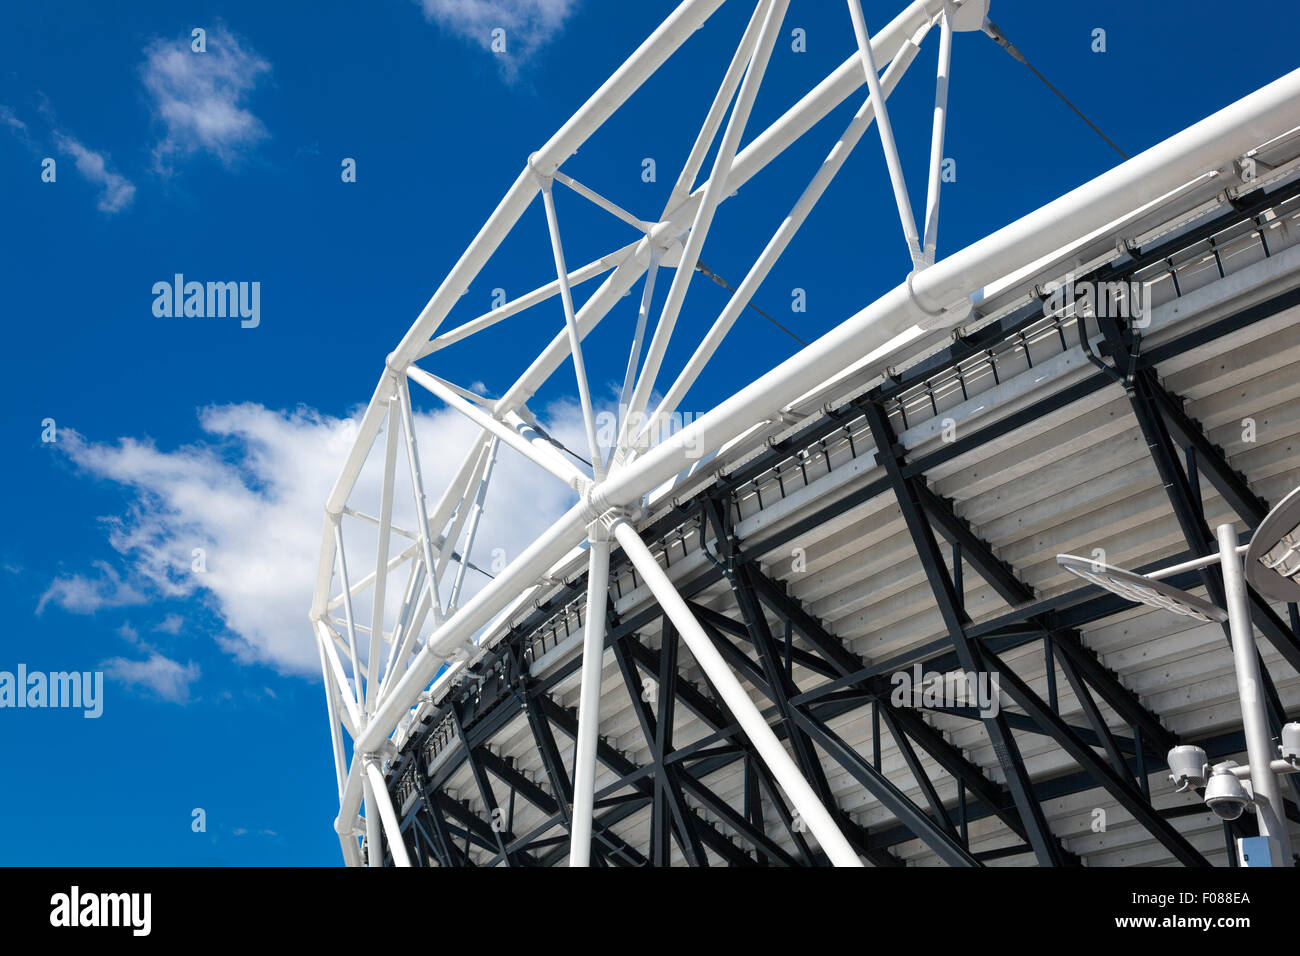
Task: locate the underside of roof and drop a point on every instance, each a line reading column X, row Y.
column 905, row 521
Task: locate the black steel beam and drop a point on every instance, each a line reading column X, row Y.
column 938, row 838
column 500, row 833
column 720, row 722
column 663, row 739
column 1040, row 837
column 568, row 722
column 1004, row 580
column 937, row 809
column 552, row 762
column 1121, row 787
column 670, row 809
column 854, row 673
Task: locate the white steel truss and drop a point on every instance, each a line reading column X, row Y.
column 422, row 624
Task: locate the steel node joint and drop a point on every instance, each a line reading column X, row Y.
column 461, row 653
column 544, row 179
column 611, row 518
column 953, row 313
column 601, row 516
column 393, row 370
column 357, row 829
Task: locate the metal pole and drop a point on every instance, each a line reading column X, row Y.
column 336, row 738
column 783, row 767
column 382, row 556
column 575, row 339
column 1192, row 565
column 377, row 797
column 931, row 240
column 1245, row 658
column 472, row 531
column 593, row 656
column 374, row 844
column 886, row 132
column 417, row 492
column 357, row 690
column 413, row 594
column 634, row 356
column 556, row 465
column 345, row 692
column 527, row 301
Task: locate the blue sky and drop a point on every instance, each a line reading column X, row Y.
column 176, row 433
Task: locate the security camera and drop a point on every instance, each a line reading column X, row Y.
column 1291, row 741
column 1225, row 795
column 1188, row 767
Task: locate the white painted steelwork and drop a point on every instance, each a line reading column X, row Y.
column 374, row 706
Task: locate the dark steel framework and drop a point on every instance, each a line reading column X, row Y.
column 442, row 831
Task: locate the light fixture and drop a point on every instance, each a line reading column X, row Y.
column 1188, row 767
column 1272, row 567
column 1141, row 590
column 1273, row 559
column 1291, row 742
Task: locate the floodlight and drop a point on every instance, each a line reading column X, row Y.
column 1290, row 746
column 1272, row 564
column 1188, row 767
column 1134, row 587
column 1273, row 559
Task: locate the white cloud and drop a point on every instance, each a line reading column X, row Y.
column 86, row 594
column 171, row 624
column 200, row 97
column 528, row 24
column 161, row 675
column 116, row 191
column 251, row 495
column 13, row 122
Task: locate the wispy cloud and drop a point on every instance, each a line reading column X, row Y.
column 200, row 98
column 251, row 494
column 115, row 191
column 86, row 594
column 528, row 24
column 17, row 126
column 161, row 675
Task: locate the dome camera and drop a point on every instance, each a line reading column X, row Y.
column 1226, row 796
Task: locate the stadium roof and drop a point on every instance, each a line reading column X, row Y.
column 897, row 512
column 1047, row 453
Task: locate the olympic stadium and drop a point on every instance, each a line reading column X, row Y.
column 831, row 620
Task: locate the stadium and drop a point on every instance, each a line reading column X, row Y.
column 830, row 620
